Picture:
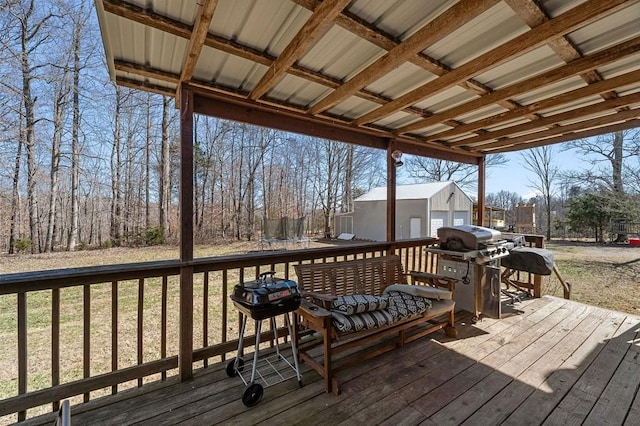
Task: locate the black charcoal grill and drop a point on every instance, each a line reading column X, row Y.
column 265, row 298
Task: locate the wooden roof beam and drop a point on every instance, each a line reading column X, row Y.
column 630, row 124
column 380, row 38
column 144, row 85
column 578, row 66
column 532, row 14
column 321, row 19
column 244, row 110
column 559, row 26
column 447, row 22
column 179, row 29
column 197, row 38
column 560, row 130
column 146, row 17
column 552, row 120
column 145, row 71
column 555, row 101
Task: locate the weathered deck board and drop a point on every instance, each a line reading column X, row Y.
column 558, row 382
column 537, row 360
column 584, row 394
column 550, row 361
column 510, row 357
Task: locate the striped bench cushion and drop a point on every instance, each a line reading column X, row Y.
column 359, row 303
column 405, row 305
column 362, row 321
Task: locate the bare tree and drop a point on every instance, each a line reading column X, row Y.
column 116, row 172
column 79, row 21
column 435, row 170
column 608, row 155
column 32, row 33
column 540, row 162
column 61, row 93
column 329, row 161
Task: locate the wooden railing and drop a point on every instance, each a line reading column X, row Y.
column 124, row 317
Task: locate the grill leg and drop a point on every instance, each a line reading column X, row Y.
column 257, row 350
column 243, row 325
column 274, row 327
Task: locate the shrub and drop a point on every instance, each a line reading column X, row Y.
column 22, row 244
column 153, row 236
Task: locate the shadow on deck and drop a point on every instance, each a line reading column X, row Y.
column 548, row 361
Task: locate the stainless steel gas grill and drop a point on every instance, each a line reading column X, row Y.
column 264, row 299
column 471, row 254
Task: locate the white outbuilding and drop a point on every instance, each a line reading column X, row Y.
column 420, row 210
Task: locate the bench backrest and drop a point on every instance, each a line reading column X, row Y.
column 361, row 276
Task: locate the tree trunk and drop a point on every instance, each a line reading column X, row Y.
column 147, row 169
column 15, row 199
column 75, row 145
column 616, row 163
column 29, row 104
column 347, row 200
column 165, row 173
column 58, row 122
column 116, row 167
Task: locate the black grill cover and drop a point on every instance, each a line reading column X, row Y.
column 537, row 261
column 267, row 297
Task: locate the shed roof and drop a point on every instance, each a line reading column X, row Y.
column 418, row 191
column 460, row 77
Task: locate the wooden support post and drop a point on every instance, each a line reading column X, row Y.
column 391, row 192
column 185, row 364
column 481, row 190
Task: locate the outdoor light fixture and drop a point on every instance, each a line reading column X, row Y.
column 397, row 155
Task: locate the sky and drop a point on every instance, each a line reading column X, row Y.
column 514, row 177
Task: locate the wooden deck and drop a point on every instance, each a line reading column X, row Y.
column 548, row 361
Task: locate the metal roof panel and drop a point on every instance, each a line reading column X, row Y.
column 522, row 68
column 340, row 54
column 228, row 70
column 447, row 99
column 554, row 89
column 402, row 80
column 352, row 107
column 487, row 31
column 267, row 26
column 399, row 18
column 606, row 32
column 297, row 91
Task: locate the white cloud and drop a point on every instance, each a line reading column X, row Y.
column 532, row 194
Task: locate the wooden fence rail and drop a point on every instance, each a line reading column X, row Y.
column 108, row 294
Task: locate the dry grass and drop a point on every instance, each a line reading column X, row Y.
column 602, row 275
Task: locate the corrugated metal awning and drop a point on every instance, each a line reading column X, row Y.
column 467, row 77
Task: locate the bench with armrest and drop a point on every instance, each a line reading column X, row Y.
column 355, row 303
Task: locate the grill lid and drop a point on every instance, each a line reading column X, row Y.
column 466, row 237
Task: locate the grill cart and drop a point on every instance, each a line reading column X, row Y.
column 265, row 299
